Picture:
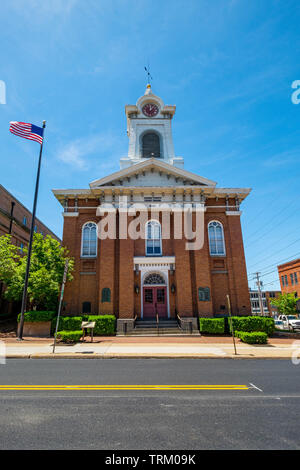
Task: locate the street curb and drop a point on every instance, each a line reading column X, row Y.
column 137, row 356
column 17, row 356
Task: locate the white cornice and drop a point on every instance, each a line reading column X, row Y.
column 73, row 192
column 70, row 214
column 154, row 260
column 233, row 191
column 151, row 163
column 233, row 212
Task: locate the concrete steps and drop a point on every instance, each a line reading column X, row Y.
column 165, row 328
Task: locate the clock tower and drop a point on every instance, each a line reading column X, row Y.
column 149, row 131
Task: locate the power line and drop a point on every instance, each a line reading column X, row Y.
column 263, row 275
column 268, row 230
column 278, row 251
column 271, row 221
column 273, row 264
column 268, row 283
column 280, row 261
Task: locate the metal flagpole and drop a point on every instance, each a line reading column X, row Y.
column 60, row 302
column 24, row 298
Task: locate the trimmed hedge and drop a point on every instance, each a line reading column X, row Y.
column 36, row 316
column 212, row 325
column 67, row 323
column 105, row 324
column 254, row 337
column 253, row 323
column 69, row 336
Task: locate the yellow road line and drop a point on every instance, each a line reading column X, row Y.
column 123, row 387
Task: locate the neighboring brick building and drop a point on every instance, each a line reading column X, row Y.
column 156, row 273
column 15, row 219
column 289, row 276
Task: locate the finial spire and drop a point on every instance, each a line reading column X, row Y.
column 148, row 89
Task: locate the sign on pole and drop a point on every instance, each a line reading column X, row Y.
column 230, row 320
column 60, row 301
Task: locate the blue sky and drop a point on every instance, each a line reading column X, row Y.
column 227, row 65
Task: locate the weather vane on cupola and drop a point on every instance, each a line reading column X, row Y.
column 149, row 76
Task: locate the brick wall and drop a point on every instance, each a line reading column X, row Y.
column 113, row 268
column 288, row 270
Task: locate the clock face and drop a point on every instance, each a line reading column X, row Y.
column 150, row 109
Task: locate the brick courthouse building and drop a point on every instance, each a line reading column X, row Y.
column 138, row 277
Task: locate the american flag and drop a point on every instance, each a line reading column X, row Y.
column 26, row 130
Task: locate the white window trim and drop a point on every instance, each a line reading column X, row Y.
column 146, row 237
column 81, row 249
column 224, row 246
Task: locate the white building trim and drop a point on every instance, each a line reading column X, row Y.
column 147, row 265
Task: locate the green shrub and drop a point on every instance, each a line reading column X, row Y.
column 226, row 322
column 69, row 336
column 254, row 337
column 35, row 316
column 105, row 324
column 67, row 323
column 253, row 323
column 212, row 325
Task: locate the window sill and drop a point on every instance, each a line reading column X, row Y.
column 218, row 256
column 151, row 255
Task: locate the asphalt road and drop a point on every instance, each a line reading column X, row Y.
column 263, row 415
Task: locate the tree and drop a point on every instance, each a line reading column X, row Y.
column 46, row 271
column 286, row 304
column 9, row 258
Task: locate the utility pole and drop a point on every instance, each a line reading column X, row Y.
column 261, row 304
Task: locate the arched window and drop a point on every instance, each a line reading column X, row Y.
column 105, row 295
column 89, row 240
column 216, row 238
column 153, row 238
column 150, row 145
column 154, row 278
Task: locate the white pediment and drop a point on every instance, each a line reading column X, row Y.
column 151, row 173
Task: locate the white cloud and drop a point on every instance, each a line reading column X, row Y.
column 78, row 152
column 72, row 154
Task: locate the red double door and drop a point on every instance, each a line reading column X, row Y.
column 155, row 301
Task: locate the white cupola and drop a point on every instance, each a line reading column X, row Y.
column 149, row 131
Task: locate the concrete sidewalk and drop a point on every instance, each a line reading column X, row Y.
column 144, row 347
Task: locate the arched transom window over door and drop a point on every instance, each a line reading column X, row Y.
column 216, row 238
column 153, row 238
column 89, row 240
column 150, row 145
column 154, row 279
